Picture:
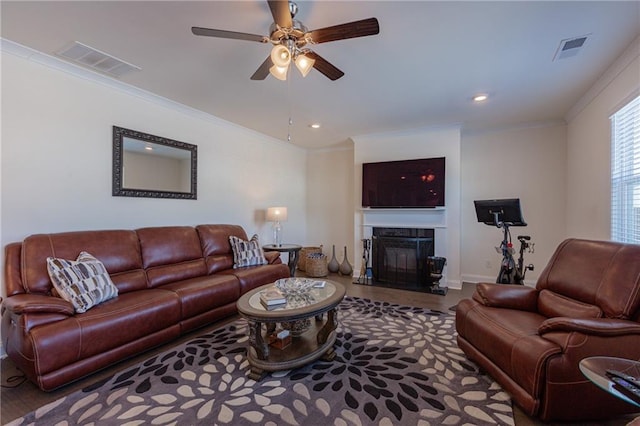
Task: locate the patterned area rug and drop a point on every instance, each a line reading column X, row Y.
column 394, row 365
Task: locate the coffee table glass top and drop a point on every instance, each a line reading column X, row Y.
column 296, row 300
column 317, row 299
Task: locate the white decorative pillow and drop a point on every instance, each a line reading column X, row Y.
column 84, row 282
column 246, row 253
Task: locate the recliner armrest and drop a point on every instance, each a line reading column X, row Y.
column 507, row 296
column 591, row 326
column 36, row 303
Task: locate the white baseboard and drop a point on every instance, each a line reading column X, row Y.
column 454, row 284
column 470, row 278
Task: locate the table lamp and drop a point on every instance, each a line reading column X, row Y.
column 277, row 215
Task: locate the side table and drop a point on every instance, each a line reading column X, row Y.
column 293, row 250
column 595, row 369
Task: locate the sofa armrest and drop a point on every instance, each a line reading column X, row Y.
column 36, row 303
column 273, row 257
column 606, row 327
column 507, row 296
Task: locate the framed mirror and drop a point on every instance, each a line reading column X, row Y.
column 145, row 165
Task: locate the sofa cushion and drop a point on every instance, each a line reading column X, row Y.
column 131, row 317
column 246, row 253
column 206, row 293
column 118, row 250
column 256, row 276
column 215, row 245
column 508, row 338
column 170, row 254
column 601, row 273
column 83, row 282
column 552, row 305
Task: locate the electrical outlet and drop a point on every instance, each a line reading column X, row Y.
column 488, row 264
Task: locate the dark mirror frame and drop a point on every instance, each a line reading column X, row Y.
column 119, row 133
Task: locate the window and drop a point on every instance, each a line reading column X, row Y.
column 625, row 173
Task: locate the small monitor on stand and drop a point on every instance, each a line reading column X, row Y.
column 500, row 212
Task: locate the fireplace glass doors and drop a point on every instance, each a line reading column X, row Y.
column 399, row 257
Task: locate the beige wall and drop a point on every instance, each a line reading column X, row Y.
column 329, row 192
column 589, row 148
column 531, row 166
column 56, row 175
column 57, row 160
column 526, row 163
column 560, row 171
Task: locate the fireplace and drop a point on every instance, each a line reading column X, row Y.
column 399, row 257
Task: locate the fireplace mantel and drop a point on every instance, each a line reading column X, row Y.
column 434, row 218
column 405, row 218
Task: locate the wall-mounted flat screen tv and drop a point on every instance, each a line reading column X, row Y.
column 404, row 184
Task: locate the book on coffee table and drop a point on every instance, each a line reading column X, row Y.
column 272, row 296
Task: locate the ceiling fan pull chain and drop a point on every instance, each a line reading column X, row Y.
column 289, row 103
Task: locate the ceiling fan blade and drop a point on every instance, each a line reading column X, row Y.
column 263, row 70
column 363, row 28
column 325, row 67
column 280, row 12
column 228, row 34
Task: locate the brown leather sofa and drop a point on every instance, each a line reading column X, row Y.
column 170, row 280
column 530, row 340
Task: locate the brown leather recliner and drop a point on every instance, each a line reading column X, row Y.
column 530, row 340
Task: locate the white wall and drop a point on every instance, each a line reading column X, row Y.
column 526, row 163
column 57, row 163
column 589, row 147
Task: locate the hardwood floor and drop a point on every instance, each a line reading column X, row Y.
column 19, row 397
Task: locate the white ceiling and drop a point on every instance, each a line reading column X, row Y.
column 429, row 59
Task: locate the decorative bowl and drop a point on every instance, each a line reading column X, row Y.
column 294, row 286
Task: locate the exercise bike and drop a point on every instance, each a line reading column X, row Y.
column 503, row 214
column 510, row 272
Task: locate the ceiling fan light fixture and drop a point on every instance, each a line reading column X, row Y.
column 280, row 56
column 279, row 72
column 304, row 64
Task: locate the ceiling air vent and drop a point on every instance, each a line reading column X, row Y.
column 97, row 60
column 570, row 47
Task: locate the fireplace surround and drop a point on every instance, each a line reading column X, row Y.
column 399, row 257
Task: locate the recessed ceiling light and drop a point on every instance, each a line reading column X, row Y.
column 315, row 125
column 480, row 97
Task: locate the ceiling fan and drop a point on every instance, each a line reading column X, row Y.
column 290, row 39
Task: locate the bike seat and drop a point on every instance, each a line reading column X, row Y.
column 524, row 237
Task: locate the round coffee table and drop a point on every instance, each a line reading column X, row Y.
column 312, row 333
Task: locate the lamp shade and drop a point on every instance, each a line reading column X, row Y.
column 276, row 214
column 279, row 72
column 304, row 64
column 280, row 55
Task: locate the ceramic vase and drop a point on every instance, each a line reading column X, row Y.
column 345, row 266
column 333, row 265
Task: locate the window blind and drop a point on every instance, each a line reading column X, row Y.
column 625, row 173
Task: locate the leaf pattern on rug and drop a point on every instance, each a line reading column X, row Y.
column 394, row 365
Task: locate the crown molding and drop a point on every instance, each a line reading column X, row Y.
column 619, row 65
